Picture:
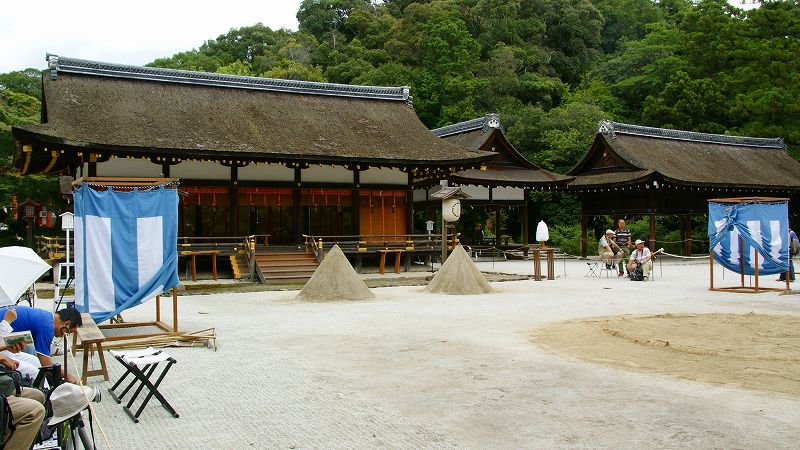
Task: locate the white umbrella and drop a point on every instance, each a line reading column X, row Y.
column 20, row 267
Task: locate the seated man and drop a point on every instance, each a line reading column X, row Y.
column 27, row 410
column 43, row 325
column 605, row 247
column 642, row 258
column 27, row 364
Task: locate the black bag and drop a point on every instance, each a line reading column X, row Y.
column 636, row 274
column 6, row 422
column 10, row 381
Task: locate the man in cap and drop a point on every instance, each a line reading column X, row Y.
column 641, row 256
column 605, row 247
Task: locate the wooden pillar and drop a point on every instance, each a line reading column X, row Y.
column 410, row 205
column 165, row 170
column 524, row 221
column 687, row 243
column 652, row 232
column 356, row 200
column 496, row 225
column 584, row 237
column 233, row 212
column 92, row 165
column 427, row 205
column 297, row 211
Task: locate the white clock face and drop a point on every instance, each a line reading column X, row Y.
column 456, row 209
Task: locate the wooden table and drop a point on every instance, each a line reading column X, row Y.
column 90, row 336
column 537, row 263
column 194, row 253
column 397, row 252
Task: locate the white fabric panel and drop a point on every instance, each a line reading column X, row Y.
column 77, row 256
column 149, row 247
column 755, row 232
column 99, row 283
column 419, row 195
column 734, row 258
column 777, row 240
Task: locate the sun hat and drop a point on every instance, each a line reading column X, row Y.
column 611, row 232
column 639, row 241
column 67, row 400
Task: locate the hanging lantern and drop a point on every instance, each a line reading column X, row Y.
column 451, row 209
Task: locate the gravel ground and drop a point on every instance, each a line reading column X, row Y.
column 417, row 370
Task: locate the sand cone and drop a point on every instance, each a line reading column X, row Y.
column 335, row 279
column 459, row 275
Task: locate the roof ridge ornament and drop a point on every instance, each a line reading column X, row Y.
column 606, row 127
column 52, row 64
column 96, row 68
column 611, row 128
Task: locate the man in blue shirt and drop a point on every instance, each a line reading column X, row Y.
column 43, row 326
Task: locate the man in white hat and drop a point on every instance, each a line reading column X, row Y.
column 641, row 256
column 605, row 248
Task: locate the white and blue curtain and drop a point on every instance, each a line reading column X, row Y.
column 739, row 230
column 125, row 247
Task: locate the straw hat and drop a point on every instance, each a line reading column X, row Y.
column 67, row 400
column 611, row 232
column 639, row 241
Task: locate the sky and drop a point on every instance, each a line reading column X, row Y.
column 133, row 33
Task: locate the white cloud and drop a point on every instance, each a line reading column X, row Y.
column 125, row 32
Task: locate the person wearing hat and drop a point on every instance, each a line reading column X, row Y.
column 605, row 248
column 641, row 256
column 68, row 400
column 27, row 409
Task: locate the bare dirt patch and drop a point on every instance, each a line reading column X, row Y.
column 754, row 351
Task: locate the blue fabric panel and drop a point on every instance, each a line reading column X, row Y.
column 123, row 209
column 763, row 227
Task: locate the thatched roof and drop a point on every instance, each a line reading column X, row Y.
column 623, row 153
column 152, row 111
column 507, row 168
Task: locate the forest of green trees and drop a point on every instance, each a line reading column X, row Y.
column 550, row 68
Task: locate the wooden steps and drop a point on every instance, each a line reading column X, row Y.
column 285, row 267
column 239, row 266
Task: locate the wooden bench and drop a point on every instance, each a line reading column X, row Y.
column 90, row 336
column 397, row 252
column 194, row 253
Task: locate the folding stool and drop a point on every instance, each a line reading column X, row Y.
column 142, row 364
column 593, row 267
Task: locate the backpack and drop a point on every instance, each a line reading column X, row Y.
column 636, row 274
column 10, row 381
column 7, row 427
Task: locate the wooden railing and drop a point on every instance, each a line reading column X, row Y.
column 361, row 244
